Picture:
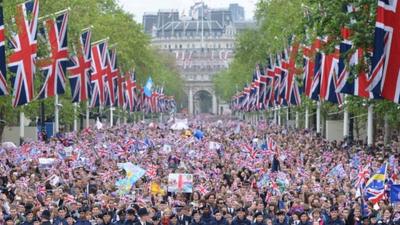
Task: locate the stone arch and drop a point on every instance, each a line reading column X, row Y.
column 202, row 101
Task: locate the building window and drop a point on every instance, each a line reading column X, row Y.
column 227, row 45
column 193, row 45
column 180, row 46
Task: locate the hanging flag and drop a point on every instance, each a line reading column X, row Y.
column 3, row 66
column 316, row 80
column 80, row 69
column 121, row 84
column 148, row 88
column 375, row 187
column 99, row 72
column 385, row 74
column 111, row 77
column 291, row 84
column 23, row 52
column 130, row 91
column 54, row 67
column 329, row 73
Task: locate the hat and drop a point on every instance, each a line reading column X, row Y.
column 280, row 212
column 334, row 208
column 142, row 212
column 130, row 212
column 108, row 213
column 241, row 209
column 46, row 214
column 258, row 214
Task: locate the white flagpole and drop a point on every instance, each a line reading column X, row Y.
column 75, row 117
column 279, row 115
column 111, row 116
column 21, row 126
column 370, row 131
column 318, row 117
column 87, row 114
column 306, row 125
column 56, row 115
column 297, row 120
column 345, row 119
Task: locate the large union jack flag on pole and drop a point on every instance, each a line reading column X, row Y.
column 80, row 69
column 3, row 67
column 330, row 70
column 55, row 66
column 348, row 82
column 385, row 76
column 99, row 72
column 111, row 78
column 130, row 91
column 23, row 57
column 121, row 84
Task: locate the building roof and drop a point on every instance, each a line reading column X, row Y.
column 192, row 25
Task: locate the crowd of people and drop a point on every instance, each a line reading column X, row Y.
column 244, row 174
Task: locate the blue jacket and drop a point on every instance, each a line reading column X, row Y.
column 238, row 221
column 207, row 220
column 82, row 222
column 59, row 221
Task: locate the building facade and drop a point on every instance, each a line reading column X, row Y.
column 202, row 43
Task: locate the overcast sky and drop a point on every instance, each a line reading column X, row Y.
column 138, row 7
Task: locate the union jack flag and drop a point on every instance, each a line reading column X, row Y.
column 292, row 94
column 99, row 71
column 315, row 84
column 385, row 77
column 121, row 84
column 309, row 66
column 362, row 177
column 330, row 70
column 130, row 91
column 3, row 67
column 41, row 190
column 346, row 82
column 55, row 66
column 152, row 171
column 23, row 57
column 80, row 69
column 111, row 77
column 202, row 189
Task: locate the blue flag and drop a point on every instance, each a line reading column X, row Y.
column 148, row 88
column 395, row 193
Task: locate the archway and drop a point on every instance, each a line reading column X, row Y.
column 202, row 102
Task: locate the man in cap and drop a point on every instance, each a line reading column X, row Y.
column 84, row 217
column 241, row 217
column 143, row 217
column 334, row 218
column 45, row 217
column 207, row 218
column 107, row 216
column 281, row 218
column 259, row 219
column 60, row 218
column 130, row 217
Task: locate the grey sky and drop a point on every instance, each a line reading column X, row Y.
column 138, row 7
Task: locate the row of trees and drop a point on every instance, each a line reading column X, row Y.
column 107, row 19
column 279, row 21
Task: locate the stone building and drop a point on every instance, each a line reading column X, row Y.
column 203, row 44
